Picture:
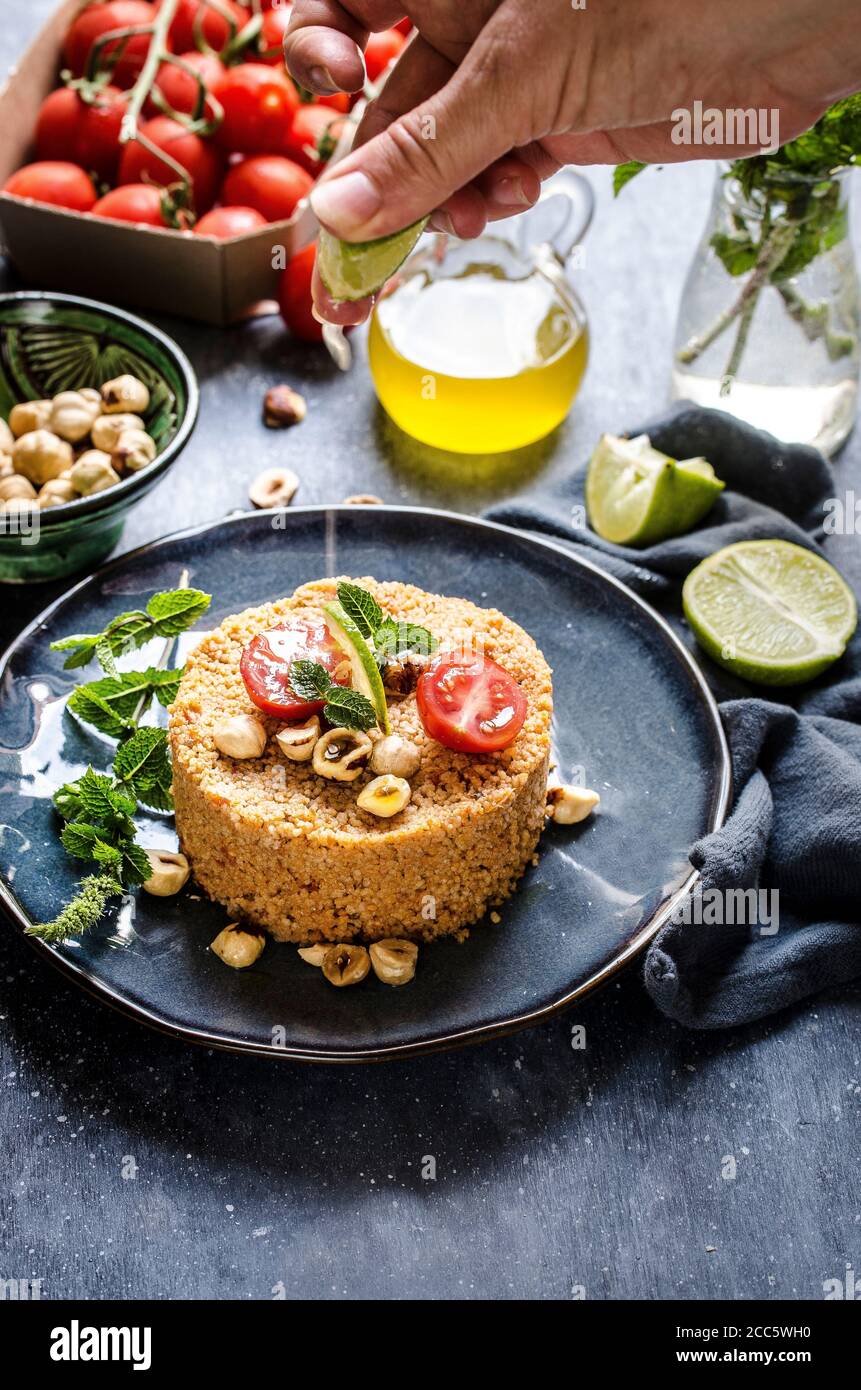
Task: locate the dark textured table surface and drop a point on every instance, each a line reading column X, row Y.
column 556, row 1169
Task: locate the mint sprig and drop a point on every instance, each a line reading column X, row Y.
column 361, row 606
column 344, row 708
column 390, row 637
column 98, row 809
column 166, row 615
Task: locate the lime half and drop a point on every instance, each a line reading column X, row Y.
column 635, row 495
column 355, row 269
column 770, row 611
column 366, row 676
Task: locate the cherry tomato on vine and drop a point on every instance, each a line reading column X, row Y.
column 265, row 665
column 69, row 128
column 259, row 103
column 229, row 222
column 97, row 20
column 380, row 50
column 197, row 157
column 179, row 89
column 211, row 21
column 56, row 182
column 313, row 136
column 470, row 704
column 274, row 28
column 294, row 296
column 268, row 182
column 134, row 202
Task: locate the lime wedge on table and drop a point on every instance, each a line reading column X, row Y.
column 635, row 495
column 355, row 269
column 366, row 676
column 770, row 611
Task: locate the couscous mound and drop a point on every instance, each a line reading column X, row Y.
column 289, row 851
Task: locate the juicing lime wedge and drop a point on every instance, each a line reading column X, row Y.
column 366, row 676
column 770, row 611
column 635, row 495
column 355, row 269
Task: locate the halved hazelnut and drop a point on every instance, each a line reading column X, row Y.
column 297, row 741
column 568, row 805
column 341, row 754
column 274, row 487
column 346, row 965
column 170, row 871
column 315, row 955
column 394, row 961
column 384, row 796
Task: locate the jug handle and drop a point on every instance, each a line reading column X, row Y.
column 561, row 217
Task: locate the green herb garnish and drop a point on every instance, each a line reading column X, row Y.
column 795, row 215
column 344, row 708
column 98, row 809
column 391, row 639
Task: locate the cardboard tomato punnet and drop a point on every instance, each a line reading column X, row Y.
column 166, row 271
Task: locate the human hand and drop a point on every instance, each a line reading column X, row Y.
column 493, row 96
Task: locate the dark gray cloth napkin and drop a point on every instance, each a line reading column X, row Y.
column 795, row 826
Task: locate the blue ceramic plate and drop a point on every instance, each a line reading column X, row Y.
column 631, row 709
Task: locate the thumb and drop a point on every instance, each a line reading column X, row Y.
column 422, row 158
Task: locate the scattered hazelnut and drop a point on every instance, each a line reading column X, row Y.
column 297, row 741
column 274, row 487
column 568, row 805
column 315, row 955
column 346, row 965
column 56, row 492
column 384, row 796
column 240, row 736
column 16, row 486
column 170, row 871
column 29, row 416
column 133, row 450
column 124, row 394
column 41, row 456
column 107, row 430
column 93, row 472
column 283, row 406
column 238, row 948
column 72, row 416
column 341, row 754
column 363, row 499
column 394, row 961
column 398, row 756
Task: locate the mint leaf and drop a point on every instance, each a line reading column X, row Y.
column 361, row 606
column 623, row 173
column 82, row 649
column 99, row 798
column 738, row 254
column 78, row 839
column 393, row 639
column 309, row 680
column 67, row 800
column 165, row 684
column 175, row 610
column 136, row 867
column 107, row 855
column 114, row 703
column 143, row 765
column 347, row 709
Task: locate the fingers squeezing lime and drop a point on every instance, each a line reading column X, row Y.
column 352, row 270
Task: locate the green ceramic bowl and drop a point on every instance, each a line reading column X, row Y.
column 58, row 342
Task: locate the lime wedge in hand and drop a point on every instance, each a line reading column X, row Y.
column 635, row 495
column 770, row 611
column 366, row 676
column 355, row 269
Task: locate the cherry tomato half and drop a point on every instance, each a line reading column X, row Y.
column 72, row 129
column 470, row 704
column 266, row 661
column 53, row 181
column 96, row 20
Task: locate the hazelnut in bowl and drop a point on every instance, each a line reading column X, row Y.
column 95, row 406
